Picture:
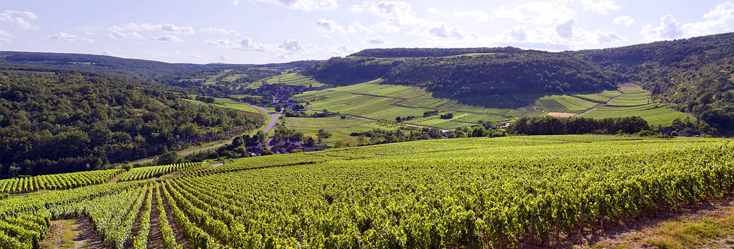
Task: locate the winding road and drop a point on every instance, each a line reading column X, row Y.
column 271, row 125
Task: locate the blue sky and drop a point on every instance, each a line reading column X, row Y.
column 264, row 31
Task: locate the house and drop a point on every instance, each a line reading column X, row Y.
column 295, row 141
column 256, row 146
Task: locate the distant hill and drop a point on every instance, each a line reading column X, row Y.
column 696, row 74
column 167, row 73
column 467, row 72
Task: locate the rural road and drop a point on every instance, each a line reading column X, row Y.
column 273, row 120
column 271, row 124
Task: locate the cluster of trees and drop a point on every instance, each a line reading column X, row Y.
column 379, row 136
column 429, row 52
column 549, row 125
column 695, row 74
column 58, row 123
column 498, row 71
column 205, row 99
column 347, row 71
column 236, row 149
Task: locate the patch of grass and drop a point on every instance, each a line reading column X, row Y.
column 339, row 128
column 691, row 234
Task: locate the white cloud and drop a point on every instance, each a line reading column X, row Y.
column 5, row 36
column 536, row 12
column 18, row 19
column 565, row 29
column 132, row 30
column 517, row 34
column 393, row 15
column 446, row 31
column 65, row 37
column 221, row 31
column 223, row 58
column 167, row 38
column 235, row 2
column 376, row 40
column 330, row 26
column 358, row 27
column 245, row 44
column 624, row 20
column 292, row 46
column 668, row 29
column 599, row 6
column 607, row 37
column 108, row 53
column 714, row 21
column 434, row 12
column 305, row 5
column 476, row 15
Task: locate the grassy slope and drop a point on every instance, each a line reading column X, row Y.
column 636, row 102
column 377, row 101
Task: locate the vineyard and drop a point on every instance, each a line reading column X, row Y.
column 156, row 171
column 474, row 193
column 57, row 181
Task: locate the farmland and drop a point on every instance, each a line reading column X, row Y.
column 473, row 192
column 375, row 100
column 636, row 102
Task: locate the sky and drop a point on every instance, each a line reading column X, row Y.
column 269, row 31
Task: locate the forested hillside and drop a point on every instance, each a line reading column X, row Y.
column 166, row 73
column 467, row 72
column 696, row 74
column 55, row 123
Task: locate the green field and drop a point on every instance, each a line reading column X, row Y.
column 295, row 79
column 339, row 128
column 374, row 100
column 636, row 102
column 455, row 193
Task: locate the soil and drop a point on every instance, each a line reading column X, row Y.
column 561, row 114
column 53, row 238
column 136, row 225
column 155, row 237
column 87, row 239
column 174, row 226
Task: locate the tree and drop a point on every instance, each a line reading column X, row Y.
column 278, row 108
column 361, row 139
column 310, row 141
column 322, row 134
column 398, row 119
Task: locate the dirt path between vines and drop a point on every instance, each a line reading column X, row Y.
column 155, row 237
column 174, row 226
column 87, row 239
column 136, row 225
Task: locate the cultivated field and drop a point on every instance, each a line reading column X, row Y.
column 382, row 101
column 476, row 192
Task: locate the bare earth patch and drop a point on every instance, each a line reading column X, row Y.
column 561, row 114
